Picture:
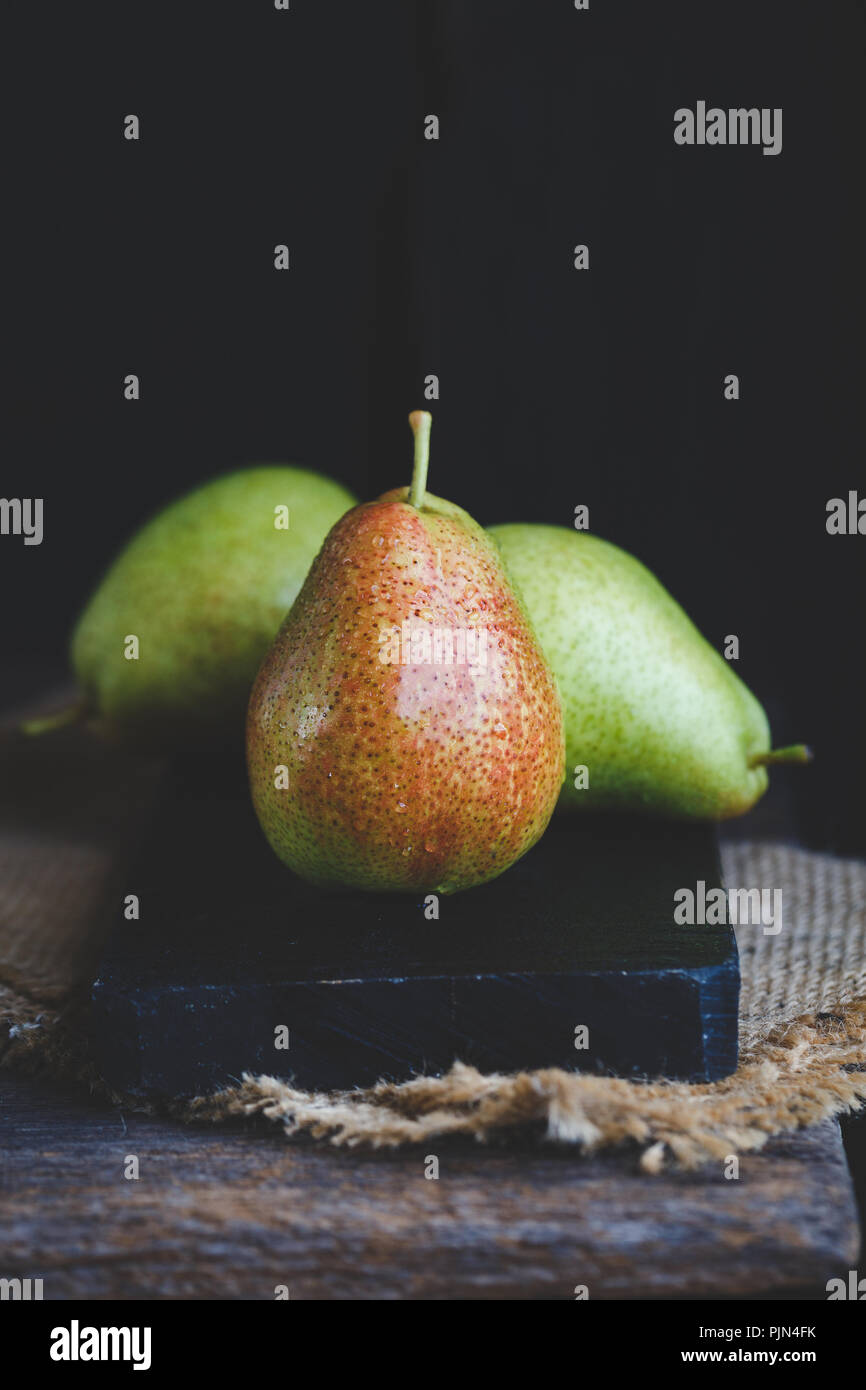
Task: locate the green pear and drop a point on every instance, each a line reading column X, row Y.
column 167, row 648
column 404, row 732
column 656, row 720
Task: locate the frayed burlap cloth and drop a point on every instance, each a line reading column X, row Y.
column 802, row 1028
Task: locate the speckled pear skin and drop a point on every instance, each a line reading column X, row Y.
column 404, row 777
column 204, row 586
column 660, row 719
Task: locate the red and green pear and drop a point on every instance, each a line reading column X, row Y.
column 375, row 761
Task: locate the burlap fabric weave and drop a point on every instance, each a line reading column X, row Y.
column 803, row 1004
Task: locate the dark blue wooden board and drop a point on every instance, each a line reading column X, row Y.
column 230, row 946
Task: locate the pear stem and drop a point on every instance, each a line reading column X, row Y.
column 797, row 753
column 421, row 422
column 72, row 713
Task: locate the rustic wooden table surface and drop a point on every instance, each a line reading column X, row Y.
column 232, row 1214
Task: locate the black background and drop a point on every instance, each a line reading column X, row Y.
column 409, row 256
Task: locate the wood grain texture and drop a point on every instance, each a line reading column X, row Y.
column 215, row 1214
